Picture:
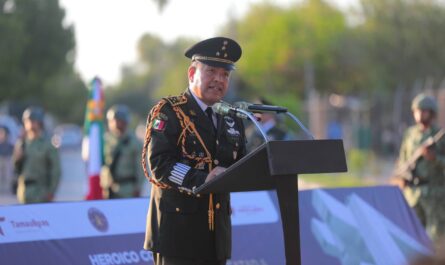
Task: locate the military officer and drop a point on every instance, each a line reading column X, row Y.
column 425, row 191
column 122, row 175
column 36, row 161
column 186, row 145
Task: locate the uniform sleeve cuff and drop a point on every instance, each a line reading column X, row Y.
column 178, row 173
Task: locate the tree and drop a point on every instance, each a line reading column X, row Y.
column 160, row 71
column 33, row 55
column 404, row 40
column 274, row 57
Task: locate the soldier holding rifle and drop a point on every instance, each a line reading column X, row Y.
column 421, row 166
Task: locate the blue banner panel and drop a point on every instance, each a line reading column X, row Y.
column 102, row 250
column 372, row 225
column 366, row 226
column 259, row 238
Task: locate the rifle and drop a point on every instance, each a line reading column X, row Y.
column 410, row 164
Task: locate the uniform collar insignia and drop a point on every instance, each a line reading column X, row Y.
column 229, row 121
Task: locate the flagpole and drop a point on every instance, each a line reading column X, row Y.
column 92, row 148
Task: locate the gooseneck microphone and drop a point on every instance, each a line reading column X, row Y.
column 224, row 108
column 245, row 110
column 258, row 108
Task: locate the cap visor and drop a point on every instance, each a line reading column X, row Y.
column 226, row 66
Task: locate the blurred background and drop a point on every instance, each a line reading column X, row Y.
column 347, row 69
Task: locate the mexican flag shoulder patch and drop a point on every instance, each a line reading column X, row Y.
column 159, row 124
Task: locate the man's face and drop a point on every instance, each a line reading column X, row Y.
column 209, row 83
column 116, row 126
column 424, row 117
column 32, row 125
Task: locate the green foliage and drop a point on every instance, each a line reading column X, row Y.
column 362, row 171
column 393, row 43
column 357, row 159
column 335, row 180
column 175, row 68
column 33, row 58
column 160, row 71
column 403, row 39
column 66, row 96
column 274, row 57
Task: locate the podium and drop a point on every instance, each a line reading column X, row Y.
column 276, row 165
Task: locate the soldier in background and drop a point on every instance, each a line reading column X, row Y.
column 122, row 175
column 269, row 125
column 36, row 161
column 6, row 149
column 424, row 187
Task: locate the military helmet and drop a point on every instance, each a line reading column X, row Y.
column 34, row 114
column 119, row 112
column 424, row 102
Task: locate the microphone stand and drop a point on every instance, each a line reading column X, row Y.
column 308, row 133
column 253, row 119
column 295, row 119
column 287, row 193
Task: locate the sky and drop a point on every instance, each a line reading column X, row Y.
column 107, row 31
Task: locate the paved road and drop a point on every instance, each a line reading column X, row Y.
column 73, row 183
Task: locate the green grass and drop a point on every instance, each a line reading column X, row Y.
column 336, row 180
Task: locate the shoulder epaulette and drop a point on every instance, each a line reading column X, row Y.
column 176, row 100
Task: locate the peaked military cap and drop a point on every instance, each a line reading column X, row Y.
column 219, row 52
column 424, row 102
column 119, row 112
column 34, row 114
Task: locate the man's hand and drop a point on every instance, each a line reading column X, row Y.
column 396, row 181
column 429, row 154
column 216, row 171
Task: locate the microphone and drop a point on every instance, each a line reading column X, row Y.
column 224, row 108
column 258, row 107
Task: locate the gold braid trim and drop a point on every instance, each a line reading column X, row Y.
column 189, row 126
column 154, row 113
column 186, row 125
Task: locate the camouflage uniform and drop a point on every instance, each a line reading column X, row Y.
column 122, row 175
column 426, row 195
column 38, row 169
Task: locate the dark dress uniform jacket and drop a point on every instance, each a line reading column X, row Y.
column 177, row 221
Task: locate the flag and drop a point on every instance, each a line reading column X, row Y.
column 93, row 141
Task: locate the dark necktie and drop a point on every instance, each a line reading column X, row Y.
column 209, row 113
